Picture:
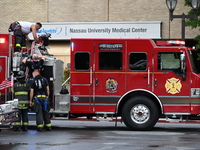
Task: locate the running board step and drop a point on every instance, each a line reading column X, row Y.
column 60, row 115
column 103, row 116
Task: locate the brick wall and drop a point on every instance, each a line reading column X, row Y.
column 94, row 11
column 22, row 10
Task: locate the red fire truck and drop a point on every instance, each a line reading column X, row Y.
column 138, row 80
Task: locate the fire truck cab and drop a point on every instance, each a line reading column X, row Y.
column 137, row 79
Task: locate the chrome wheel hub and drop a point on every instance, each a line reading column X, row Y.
column 140, row 113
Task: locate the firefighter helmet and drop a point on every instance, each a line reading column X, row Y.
column 20, row 74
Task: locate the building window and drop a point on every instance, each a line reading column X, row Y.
column 82, row 61
column 110, row 61
column 138, row 61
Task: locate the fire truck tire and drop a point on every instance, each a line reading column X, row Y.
column 140, row 113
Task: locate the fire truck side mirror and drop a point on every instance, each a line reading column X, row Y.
column 183, row 68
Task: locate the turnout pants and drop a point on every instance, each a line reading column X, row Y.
column 20, row 37
column 42, row 112
column 22, row 118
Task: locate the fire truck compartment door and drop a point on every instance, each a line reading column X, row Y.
column 109, row 77
column 169, row 86
column 81, row 77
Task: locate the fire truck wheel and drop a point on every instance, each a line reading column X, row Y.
column 140, row 113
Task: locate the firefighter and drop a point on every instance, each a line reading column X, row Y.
column 21, row 30
column 21, row 92
column 39, row 95
column 35, row 64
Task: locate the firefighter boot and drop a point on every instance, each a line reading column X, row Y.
column 48, row 128
column 24, row 128
column 40, row 129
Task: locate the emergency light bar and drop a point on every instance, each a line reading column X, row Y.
column 2, row 40
column 169, row 43
column 177, row 42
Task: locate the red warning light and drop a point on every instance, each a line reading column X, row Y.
column 2, row 40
